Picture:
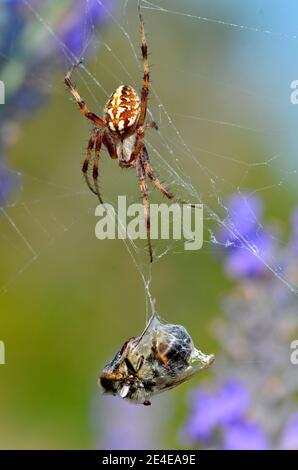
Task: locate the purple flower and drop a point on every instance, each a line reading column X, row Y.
column 213, row 409
column 34, row 53
column 121, row 425
column 244, row 436
column 225, row 410
column 245, row 212
column 258, row 324
column 79, row 25
column 249, row 246
column 249, row 259
column 204, row 418
column 289, row 440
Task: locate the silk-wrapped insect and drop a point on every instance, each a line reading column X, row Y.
column 163, row 357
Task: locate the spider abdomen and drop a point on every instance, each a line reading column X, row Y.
column 122, row 109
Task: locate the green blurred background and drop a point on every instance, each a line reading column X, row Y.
column 67, row 313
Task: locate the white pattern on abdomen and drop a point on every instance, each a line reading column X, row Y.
column 125, row 148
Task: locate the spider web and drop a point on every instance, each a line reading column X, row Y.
column 195, row 169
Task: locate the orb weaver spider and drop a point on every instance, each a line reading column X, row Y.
column 122, row 132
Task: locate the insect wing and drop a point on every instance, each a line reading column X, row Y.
column 164, row 383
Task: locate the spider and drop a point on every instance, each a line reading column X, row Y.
column 122, row 132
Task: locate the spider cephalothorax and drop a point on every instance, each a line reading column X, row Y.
column 122, row 110
column 122, row 133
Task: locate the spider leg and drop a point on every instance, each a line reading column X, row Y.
column 149, row 171
column 151, row 125
column 96, row 163
column 137, row 152
column 91, row 143
column 144, row 190
column 93, row 117
column 145, row 87
column 109, row 143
